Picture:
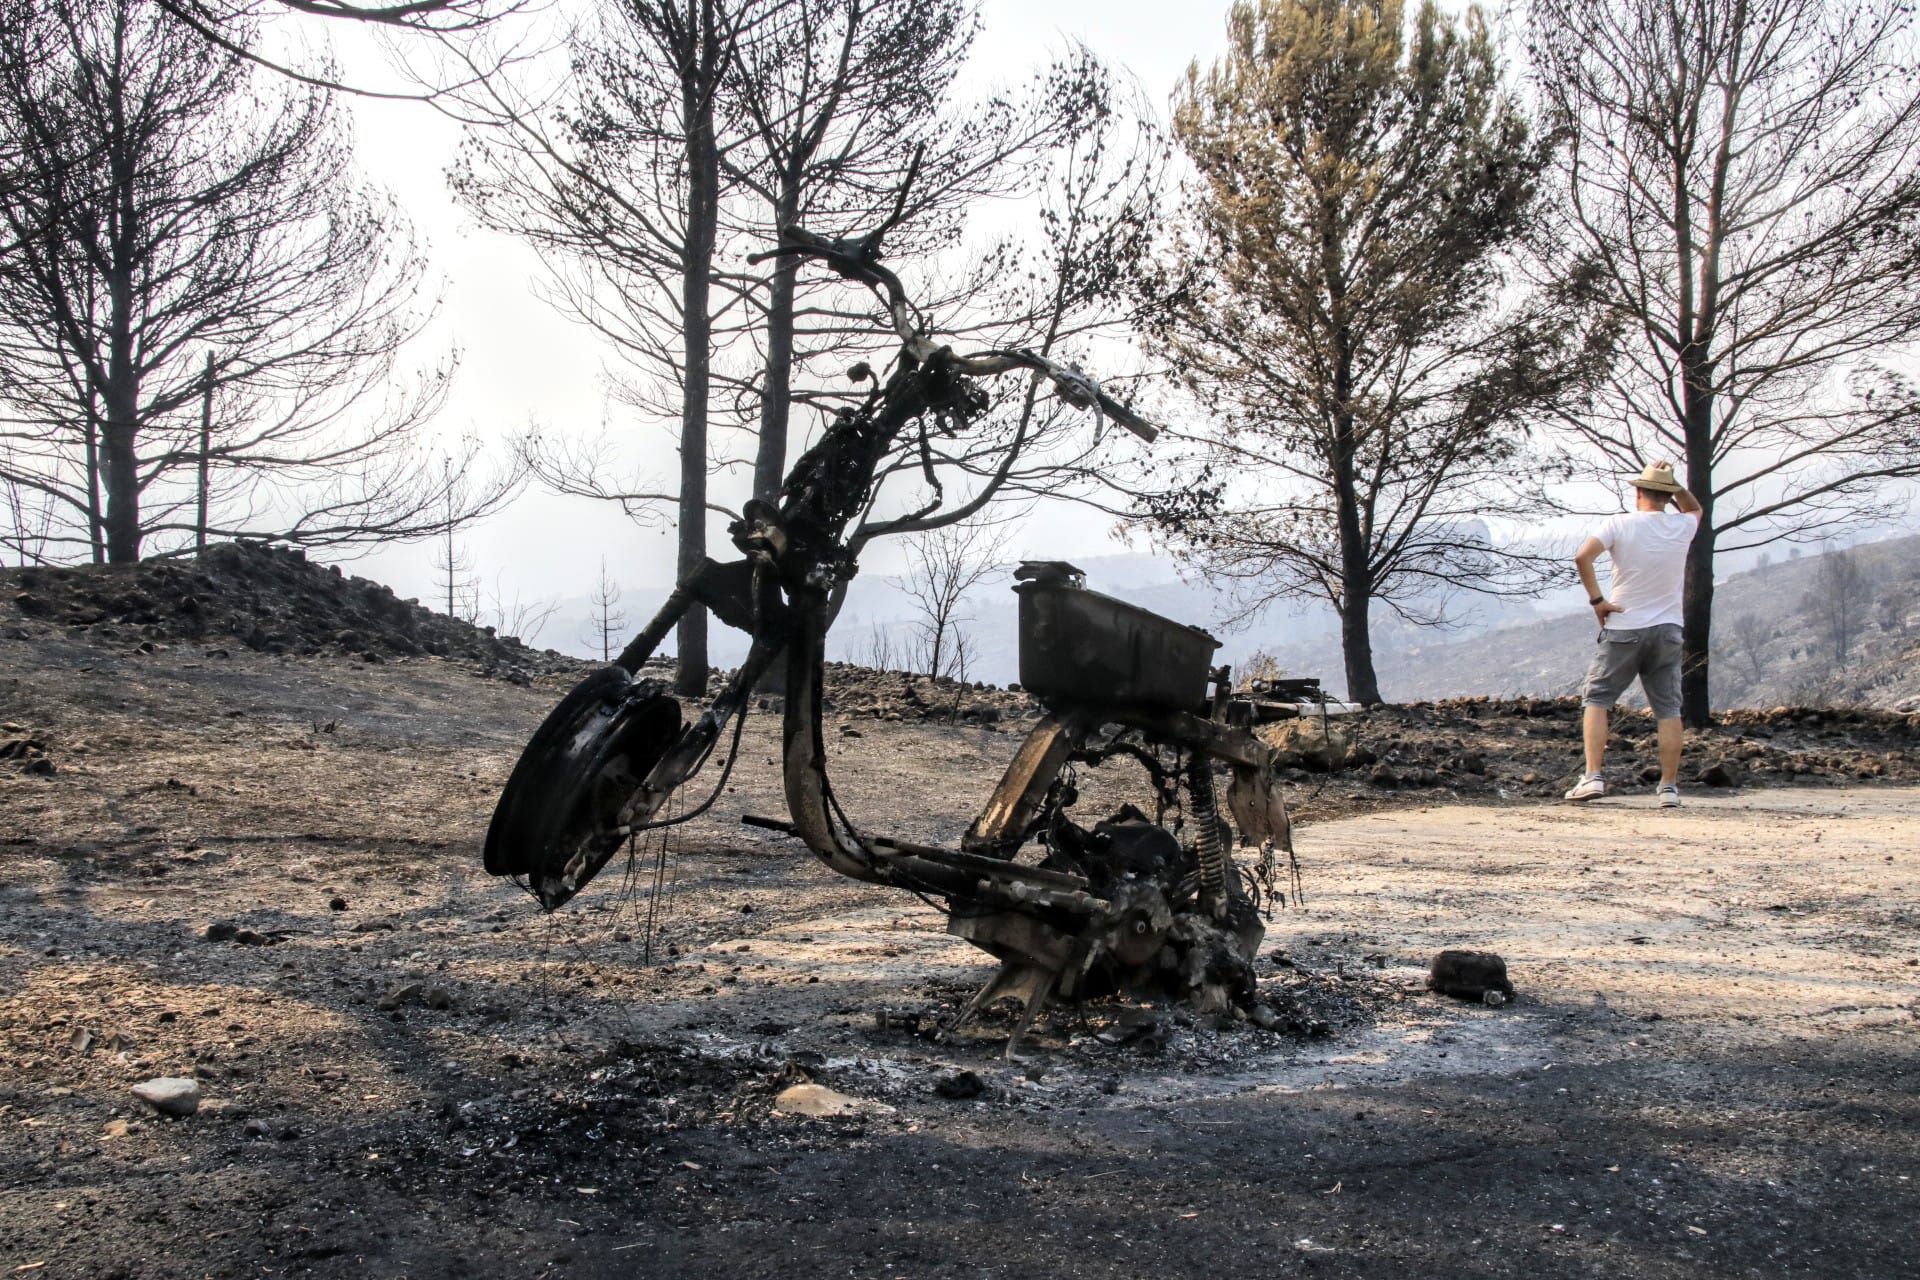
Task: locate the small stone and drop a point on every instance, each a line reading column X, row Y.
column 959, row 1085
column 375, row 926
column 437, row 998
column 1469, row 975
column 255, row 1128
column 820, row 1102
column 169, row 1095
column 336, row 904
column 1719, row 774
column 222, row 931
column 398, row 996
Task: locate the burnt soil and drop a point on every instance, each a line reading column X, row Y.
column 260, row 869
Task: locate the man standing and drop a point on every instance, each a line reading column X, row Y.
column 1639, row 621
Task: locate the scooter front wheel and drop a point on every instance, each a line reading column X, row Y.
column 577, row 772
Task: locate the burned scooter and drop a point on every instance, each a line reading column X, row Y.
column 1148, row 904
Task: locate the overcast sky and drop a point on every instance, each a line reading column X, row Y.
column 522, row 363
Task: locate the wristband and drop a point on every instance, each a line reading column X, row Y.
column 1597, row 600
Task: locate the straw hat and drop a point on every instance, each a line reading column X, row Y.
column 1657, row 478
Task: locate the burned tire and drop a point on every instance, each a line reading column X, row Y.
column 580, row 767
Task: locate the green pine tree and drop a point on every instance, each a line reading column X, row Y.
column 1338, row 296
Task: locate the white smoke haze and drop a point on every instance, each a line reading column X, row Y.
column 523, row 365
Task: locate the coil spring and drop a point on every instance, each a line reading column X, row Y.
column 1208, row 850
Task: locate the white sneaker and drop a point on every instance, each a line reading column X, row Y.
column 1669, row 795
column 1591, row 787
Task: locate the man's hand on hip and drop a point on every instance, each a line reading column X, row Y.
column 1601, row 608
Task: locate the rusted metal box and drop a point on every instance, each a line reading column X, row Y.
column 1080, row 648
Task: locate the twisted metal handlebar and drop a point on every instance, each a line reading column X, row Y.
column 859, row 260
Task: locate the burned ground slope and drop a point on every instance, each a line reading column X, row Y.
column 1499, row 748
column 259, row 871
column 267, row 599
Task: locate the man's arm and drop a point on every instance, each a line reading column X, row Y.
column 1684, row 500
column 1590, row 551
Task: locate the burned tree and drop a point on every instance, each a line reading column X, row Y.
column 457, row 586
column 1337, row 299
column 1750, row 632
column 841, row 105
column 623, row 182
column 828, row 99
column 229, row 25
column 1745, row 175
column 1838, row 600
column 606, row 184
column 515, row 615
column 945, row 564
column 202, row 288
column 1059, row 294
column 608, row 625
column 220, row 18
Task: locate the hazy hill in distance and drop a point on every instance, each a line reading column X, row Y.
column 1774, row 641
column 1778, row 632
column 1303, row 637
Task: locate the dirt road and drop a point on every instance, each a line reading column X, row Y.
column 1711, row 1070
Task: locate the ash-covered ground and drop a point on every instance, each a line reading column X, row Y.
column 259, row 870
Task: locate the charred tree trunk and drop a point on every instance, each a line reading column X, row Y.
column 1356, row 562
column 1356, row 573
column 96, row 529
column 1696, row 700
column 206, row 433
column 776, row 401
column 118, row 463
column 1696, row 706
column 1356, row 639
column 119, row 434
column 703, row 186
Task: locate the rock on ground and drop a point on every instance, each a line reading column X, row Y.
column 818, row 1101
column 169, row 1095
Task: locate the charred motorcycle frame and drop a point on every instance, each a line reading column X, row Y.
column 1133, row 903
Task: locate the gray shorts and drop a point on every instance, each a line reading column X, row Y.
column 1652, row 653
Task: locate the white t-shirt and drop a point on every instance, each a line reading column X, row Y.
column 1649, row 554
